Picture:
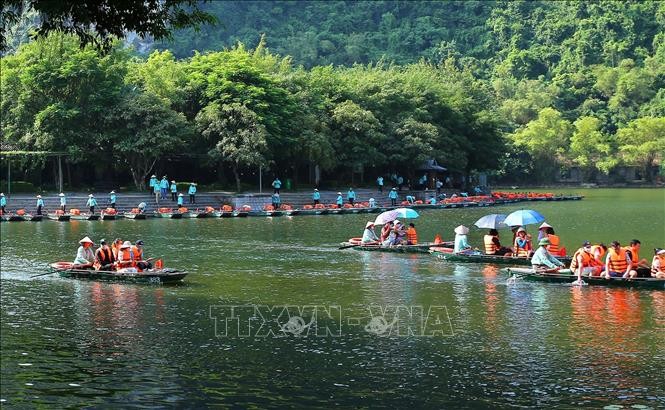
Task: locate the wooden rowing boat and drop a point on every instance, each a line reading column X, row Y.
column 420, row 248
column 59, row 217
column 109, row 217
column 568, row 277
column 131, row 215
column 482, row 258
column 16, row 218
column 85, row 217
column 156, row 276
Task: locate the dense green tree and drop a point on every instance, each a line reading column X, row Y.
column 590, row 148
column 237, row 134
column 643, row 142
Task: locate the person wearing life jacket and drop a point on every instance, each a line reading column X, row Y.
column 599, row 252
column 522, row 244
column 618, row 262
column 542, row 259
column 492, row 244
column 553, row 248
column 125, row 256
column 411, row 235
column 115, row 247
column 658, row 264
column 640, row 266
column 104, row 258
column 369, row 236
column 584, row 263
column 139, row 261
column 85, row 256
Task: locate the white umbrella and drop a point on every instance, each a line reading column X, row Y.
column 389, row 216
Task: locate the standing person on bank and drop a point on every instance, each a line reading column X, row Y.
column 379, row 182
column 393, row 197
column 3, row 202
column 153, row 182
column 277, row 185
column 112, row 199
column 316, row 196
column 40, row 204
column 192, row 193
column 174, row 191
column 92, row 203
column 164, row 187
column 157, row 191
column 63, row 202
column 351, row 196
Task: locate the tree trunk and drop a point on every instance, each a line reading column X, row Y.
column 235, row 174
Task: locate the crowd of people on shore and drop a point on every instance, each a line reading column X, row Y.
column 119, row 256
column 162, row 188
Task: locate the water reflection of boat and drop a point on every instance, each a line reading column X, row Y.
column 530, row 274
column 65, row 269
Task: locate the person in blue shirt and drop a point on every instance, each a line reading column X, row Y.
column 340, row 200
column 153, row 182
column 400, row 182
column 164, row 186
column 351, row 196
column 276, row 200
column 40, row 204
column 372, row 203
column 3, row 202
column 410, row 199
column 277, row 185
column 192, row 193
column 92, row 203
column 432, row 201
column 180, row 200
column 112, row 199
column 379, row 182
column 63, row 202
column 174, row 191
column 157, row 191
column 316, row 196
column 393, row 197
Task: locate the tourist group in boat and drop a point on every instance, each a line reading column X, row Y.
column 120, row 256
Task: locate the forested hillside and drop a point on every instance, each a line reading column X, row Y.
column 524, row 90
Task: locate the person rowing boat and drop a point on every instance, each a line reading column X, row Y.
column 369, row 236
column 542, row 260
column 85, row 257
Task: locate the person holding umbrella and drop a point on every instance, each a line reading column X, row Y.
column 542, row 260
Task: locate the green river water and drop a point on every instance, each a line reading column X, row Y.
column 461, row 337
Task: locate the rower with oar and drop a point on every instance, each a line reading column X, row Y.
column 85, row 256
column 543, row 261
column 369, row 236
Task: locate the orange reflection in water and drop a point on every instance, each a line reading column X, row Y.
column 491, row 298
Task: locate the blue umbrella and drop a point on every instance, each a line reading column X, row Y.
column 388, row 216
column 491, row 221
column 523, row 217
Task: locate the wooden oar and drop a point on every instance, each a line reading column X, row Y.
column 43, row 274
column 349, row 246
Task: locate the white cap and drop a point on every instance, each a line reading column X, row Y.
column 86, row 239
column 126, row 245
column 339, row 193
column 660, row 252
column 61, row 194
column 368, row 224
column 2, row 194
column 544, row 225
column 91, row 195
column 396, row 221
column 112, row 192
column 315, row 189
column 180, row 194
column 39, row 196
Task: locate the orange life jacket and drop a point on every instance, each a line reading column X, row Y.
column 138, row 254
column 103, row 257
column 587, row 259
column 125, row 258
column 634, row 253
column 553, row 247
column 601, row 252
column 617, row 260
column 412, row 236
column 490, row 246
